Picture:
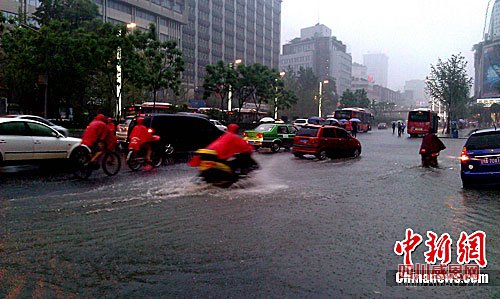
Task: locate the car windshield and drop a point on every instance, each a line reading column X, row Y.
column 483, row 141
column 311, row 132
column 264, row 128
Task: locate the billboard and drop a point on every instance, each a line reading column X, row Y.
column 491, row 71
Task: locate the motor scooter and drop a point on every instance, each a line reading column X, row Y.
column 224, row 172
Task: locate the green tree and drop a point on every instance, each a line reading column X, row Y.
column 358, row 98
column 218, row 82
column 449, row 83
column 163, row 63
column 73, row 11
column 305, row 85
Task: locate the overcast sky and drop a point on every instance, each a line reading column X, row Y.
column 412, row 33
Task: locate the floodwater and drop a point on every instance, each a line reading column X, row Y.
column 294, row 228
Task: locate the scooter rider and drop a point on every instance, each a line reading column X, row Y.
column 430, row 148
column 228, row 145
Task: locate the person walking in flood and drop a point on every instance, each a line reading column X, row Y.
column 354, row 130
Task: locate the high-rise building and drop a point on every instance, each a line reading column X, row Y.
column 230, row 30
column 494, row 28
column 378, row 67
column 417, row 88
column 317, row 49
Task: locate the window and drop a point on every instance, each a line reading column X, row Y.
column 41, row 130
column 328, row 133
column 17, row 128
column 341, row 133
column 282, row 130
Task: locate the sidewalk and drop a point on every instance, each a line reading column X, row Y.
column 462, row 134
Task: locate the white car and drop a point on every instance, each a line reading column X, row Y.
column 24, row 139
column 59, row 129
column 218, row 125
column 300, row 122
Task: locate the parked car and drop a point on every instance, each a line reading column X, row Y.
column 271, row 135
column 26, row 140
column 47, row 122
column 480, row 159
column 299, row 122
column 382, row 126
column 218, row 125
column 122, row 130
column 325, row 141
column 184, row 132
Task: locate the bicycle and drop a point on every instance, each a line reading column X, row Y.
column 110, row 162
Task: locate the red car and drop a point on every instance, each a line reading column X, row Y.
column 325, row 141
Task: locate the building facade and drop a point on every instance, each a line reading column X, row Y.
column 419, row 96
column 317, row 49
column 230, row 30
column 378, row 68
column 494, row 28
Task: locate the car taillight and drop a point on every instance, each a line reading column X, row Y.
column 260, row 135
column 150, row 130
column 313, row 141
column 464, row 158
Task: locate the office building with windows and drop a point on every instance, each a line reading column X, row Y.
column 378, row 67
column 317, row 49
column 229, row 30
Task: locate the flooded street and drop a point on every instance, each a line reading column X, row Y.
column 295, row 228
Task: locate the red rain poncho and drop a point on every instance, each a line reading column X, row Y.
column 227, row 145
column 96, row 131
column 140, row 135
column 431, row 144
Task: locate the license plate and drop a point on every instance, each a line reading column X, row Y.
column 255, row 142
column 303, row 140
column 490, row 161
column 418, row 129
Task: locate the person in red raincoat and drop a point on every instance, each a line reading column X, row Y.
column 229, row 145
column 111, row 125
column 98, row 137
column 430, row 148
column 141, row 137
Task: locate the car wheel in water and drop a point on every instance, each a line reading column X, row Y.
column 111, row 163
column 275, row 147
column 356, row 153
column 322, row 155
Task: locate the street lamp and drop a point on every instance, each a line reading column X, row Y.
column 321, row 96
column 282, row 74
column 130, row 26
column 230, row 93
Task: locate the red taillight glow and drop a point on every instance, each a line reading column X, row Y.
column 464, row 158
column 260, row 135
column 245, row 134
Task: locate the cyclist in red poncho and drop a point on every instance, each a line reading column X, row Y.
column 230, row 145
column 141, row 137
column 98, row 137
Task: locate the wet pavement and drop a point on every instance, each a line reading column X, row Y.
column 295, row 228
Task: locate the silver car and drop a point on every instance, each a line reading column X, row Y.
column 47, row 122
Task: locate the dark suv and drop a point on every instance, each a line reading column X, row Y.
column 480, row 159
column 325, row 141
column 184, row 132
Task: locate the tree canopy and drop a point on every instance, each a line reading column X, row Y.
column 449, row 83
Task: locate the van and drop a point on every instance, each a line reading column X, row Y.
column 185, row 133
